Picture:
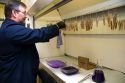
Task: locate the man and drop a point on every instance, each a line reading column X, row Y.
column 19, row 58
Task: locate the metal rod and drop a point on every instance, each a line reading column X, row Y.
column 85, row 78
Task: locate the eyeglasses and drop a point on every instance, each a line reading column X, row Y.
column 22, row 12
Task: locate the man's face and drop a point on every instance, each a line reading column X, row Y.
column 21, row 14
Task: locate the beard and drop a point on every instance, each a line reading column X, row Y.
column 22, row 21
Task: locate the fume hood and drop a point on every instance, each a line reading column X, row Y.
column 75, row 10
column 101, row 43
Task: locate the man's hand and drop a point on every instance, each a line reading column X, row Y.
column 61, row 25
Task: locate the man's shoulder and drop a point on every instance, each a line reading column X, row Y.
column 10, row 23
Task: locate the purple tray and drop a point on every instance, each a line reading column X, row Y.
column 69, row 70
column 56, row 63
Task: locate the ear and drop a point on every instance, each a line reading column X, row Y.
column 14, row 14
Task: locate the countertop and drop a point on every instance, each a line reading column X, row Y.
column 111, row 76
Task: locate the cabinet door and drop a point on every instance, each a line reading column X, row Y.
column 45, row 77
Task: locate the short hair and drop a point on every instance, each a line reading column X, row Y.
column 11, row 5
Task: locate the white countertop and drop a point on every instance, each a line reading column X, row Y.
column 110, row 75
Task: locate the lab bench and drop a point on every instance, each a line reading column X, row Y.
column 56, row 76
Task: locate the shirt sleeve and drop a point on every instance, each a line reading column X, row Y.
column 23, row 35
